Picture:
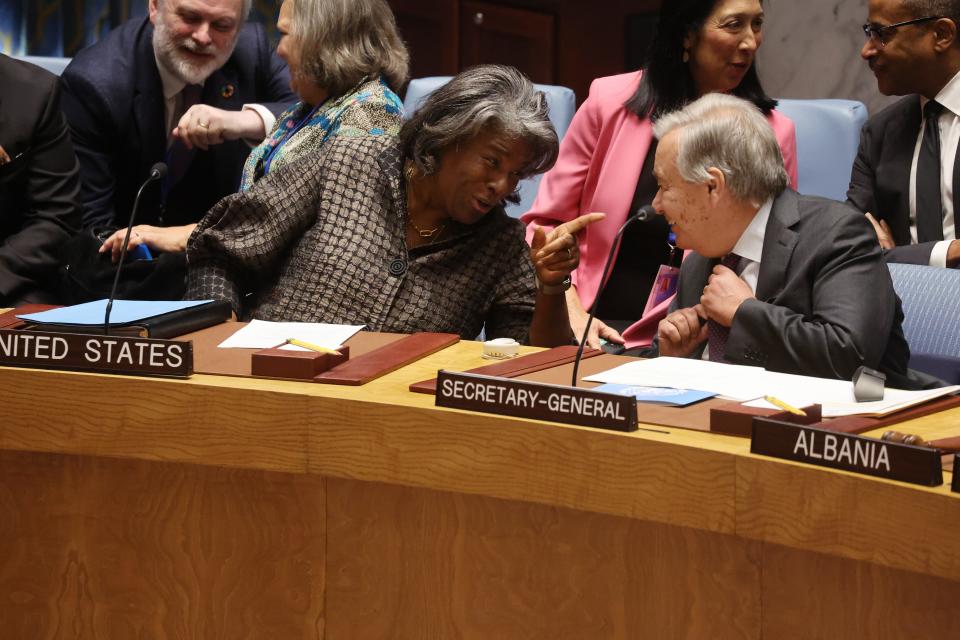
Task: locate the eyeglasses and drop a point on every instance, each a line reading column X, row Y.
column 881, row 34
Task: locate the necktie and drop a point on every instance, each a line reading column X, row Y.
column 178, row 156
column 717, row 333
column 929, row 205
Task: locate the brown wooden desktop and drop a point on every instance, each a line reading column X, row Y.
column 223, row 507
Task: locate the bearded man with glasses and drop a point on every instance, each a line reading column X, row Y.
column 906, row 176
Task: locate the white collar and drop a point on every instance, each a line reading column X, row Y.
column 949, row 96
column 172, row 84
column 750, row 244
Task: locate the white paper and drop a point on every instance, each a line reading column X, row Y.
column 744, row 383
column 893, row 400
column 260, row 334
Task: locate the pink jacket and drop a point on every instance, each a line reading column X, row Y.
column 598, row 169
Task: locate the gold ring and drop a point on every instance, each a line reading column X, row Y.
column 203, row 124
column 569, row 253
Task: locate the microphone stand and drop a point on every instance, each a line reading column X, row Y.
column 642, row 214
column 157, row 172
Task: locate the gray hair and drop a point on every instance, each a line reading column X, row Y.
column 484, row 98
column 244, row 8
column 944, row 8
column 342, row 42
column 731, row 134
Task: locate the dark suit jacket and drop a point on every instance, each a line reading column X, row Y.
column 38, row 189
column 824, row 303
column 113, row 100
column 880, row 182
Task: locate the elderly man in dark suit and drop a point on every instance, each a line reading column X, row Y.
column 791, row 283
column 179, row 87
column 38, row 182
column 906, row 176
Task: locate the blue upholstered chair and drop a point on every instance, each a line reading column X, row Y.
column 931, row 309
column 828, row 133
column 53, row 65
column 562, row 103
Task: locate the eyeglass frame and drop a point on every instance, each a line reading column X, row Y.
column 877, row 33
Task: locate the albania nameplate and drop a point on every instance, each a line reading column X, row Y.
column 859, row 454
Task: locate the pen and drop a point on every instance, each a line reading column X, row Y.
column 312, row 347
column 777, row 402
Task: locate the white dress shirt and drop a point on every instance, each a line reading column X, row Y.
column 750, row 246
column 949, row 122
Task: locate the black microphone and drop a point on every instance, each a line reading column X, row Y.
column 642, row 214
column 157, row 172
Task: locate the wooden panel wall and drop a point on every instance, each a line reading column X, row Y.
column 590, row 38
column 110, row 548
column 122, row 549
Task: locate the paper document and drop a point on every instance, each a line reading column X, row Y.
column 123, row 311
column 657, row 395
column 744, row 383
column 893, row 400
column 260, row 334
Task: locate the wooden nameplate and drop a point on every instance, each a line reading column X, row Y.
column 97, row 353
column 734, row 419
column 799, row 438
column 515, row 367
column 295, row 365
column 386, row 359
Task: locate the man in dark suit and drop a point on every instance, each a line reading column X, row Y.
column 38, row 182
column 175, row 87
column 906, row 176
column 791, row 283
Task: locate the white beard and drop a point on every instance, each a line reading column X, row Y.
column 168, row 50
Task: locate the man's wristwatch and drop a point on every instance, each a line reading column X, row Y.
column 554, row 289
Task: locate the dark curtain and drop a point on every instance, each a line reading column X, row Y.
column 63, row 27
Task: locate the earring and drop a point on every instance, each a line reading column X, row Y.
column 686, row 56
column 409, row 171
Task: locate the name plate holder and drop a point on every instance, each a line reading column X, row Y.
column 955, row 486
column 779, row 436
column 536, row 400
column 102, row 354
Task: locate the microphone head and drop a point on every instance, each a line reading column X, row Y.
column 645, row 213
column 158, row 171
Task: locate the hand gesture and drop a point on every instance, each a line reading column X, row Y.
column 556, row 254
column 165, row 239
column 578, row 321
column 682, row 331
column 884, row 235
column 203, row 126
column 723, row 295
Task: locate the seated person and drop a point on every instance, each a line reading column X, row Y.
column 802, row 286
column 171, row 87
column 38, row 183
column 405, row 235
column 905, row 176
column 349, row 93
column 606, row 158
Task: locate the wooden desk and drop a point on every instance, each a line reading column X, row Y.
column 241, row 508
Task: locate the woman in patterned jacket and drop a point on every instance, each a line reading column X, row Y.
column 403, row 235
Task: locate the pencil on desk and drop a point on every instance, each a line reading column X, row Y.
column 777, row 402
column 312, row 347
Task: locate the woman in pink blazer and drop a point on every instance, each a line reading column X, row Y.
column 606, row 157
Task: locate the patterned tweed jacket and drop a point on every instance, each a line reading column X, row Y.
column 322, row 239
